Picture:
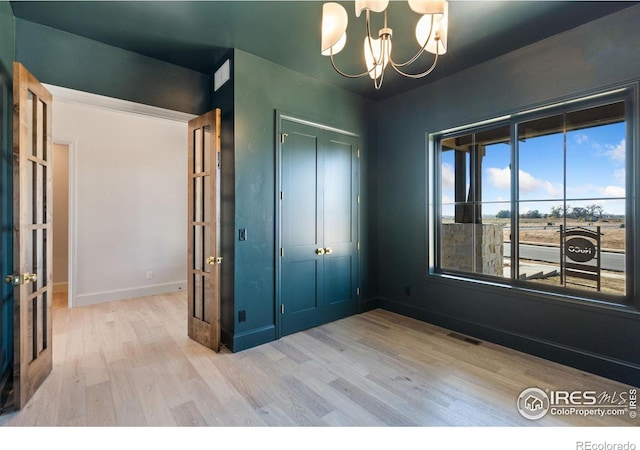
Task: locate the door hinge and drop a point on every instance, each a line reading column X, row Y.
column 281, row 195
column 358, row 199
column 358, row 154
column 281, row 309
column 281, row 251
column 282, row 137
column 358, row 291
column 358, row 245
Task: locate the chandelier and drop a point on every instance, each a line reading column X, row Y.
column 431, row 34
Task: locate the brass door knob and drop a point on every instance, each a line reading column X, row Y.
column 29, row 277
column 328, row 251
column 319, row 251
column 213, row 260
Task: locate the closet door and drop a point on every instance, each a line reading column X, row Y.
column 319, row 226
column 302, row 228
column 340, row 216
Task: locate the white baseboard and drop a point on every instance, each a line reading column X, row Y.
column 60, row 287
column 122, row 294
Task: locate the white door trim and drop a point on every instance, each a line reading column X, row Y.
column 62, row 94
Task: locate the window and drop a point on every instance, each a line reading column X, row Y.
column 539, row 199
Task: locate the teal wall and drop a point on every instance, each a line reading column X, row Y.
column 71, row 61
column 7, row 54
column 261, row 88
column 597, row 55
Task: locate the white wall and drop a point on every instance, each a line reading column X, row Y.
column 130, row 201
column 60, row 221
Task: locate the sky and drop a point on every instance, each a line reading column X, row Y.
column 595, row 171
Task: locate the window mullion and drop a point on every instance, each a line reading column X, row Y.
column 515, row 210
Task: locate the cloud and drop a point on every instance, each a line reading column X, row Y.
column 591, row 190
column 616, row 152
column 501, row 178
column 613, row 191
column 448, row 177
column 620, row 175
column 581, row 138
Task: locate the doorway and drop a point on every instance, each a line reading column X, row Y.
column 318, row 224
column 60, row 225
column 127, row 190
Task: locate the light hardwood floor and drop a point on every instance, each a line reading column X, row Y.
column 130, row 363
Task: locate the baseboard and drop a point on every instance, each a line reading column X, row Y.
column 121, row 294
column 252, row 338
column 59, row 288
column 368, row 305
column 614, row 369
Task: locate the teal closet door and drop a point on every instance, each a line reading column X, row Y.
column 302, row 228
column 340, row 215
column 319, row 226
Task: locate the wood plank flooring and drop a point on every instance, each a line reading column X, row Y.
column 130, row 363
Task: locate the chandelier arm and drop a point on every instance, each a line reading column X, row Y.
column 420, row 52
column 346, row 74
column 377, row 83
column 376, row 61
column 417, row 75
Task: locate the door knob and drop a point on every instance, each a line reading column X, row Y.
column 328, row 251
column 29, row 277
column 13, row 279
column 319, row 251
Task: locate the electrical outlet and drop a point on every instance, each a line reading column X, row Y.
column 242, row 234
column 149, row 275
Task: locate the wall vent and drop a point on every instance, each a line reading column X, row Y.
column 222, row 75
column 466, row 339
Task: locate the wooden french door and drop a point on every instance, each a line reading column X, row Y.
column 32, row 173
column 204, row 257
column 319, row 226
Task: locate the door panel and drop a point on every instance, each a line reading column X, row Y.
column 204, row 257
column 339, row 192
column 301, row 229
column 339, row 271
column 32, row 234
column 301, row 295
column 340, row 225
column 318, row 210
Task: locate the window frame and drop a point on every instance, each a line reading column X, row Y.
column 627, row 94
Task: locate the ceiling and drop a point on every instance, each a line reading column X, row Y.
column 195, row 34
